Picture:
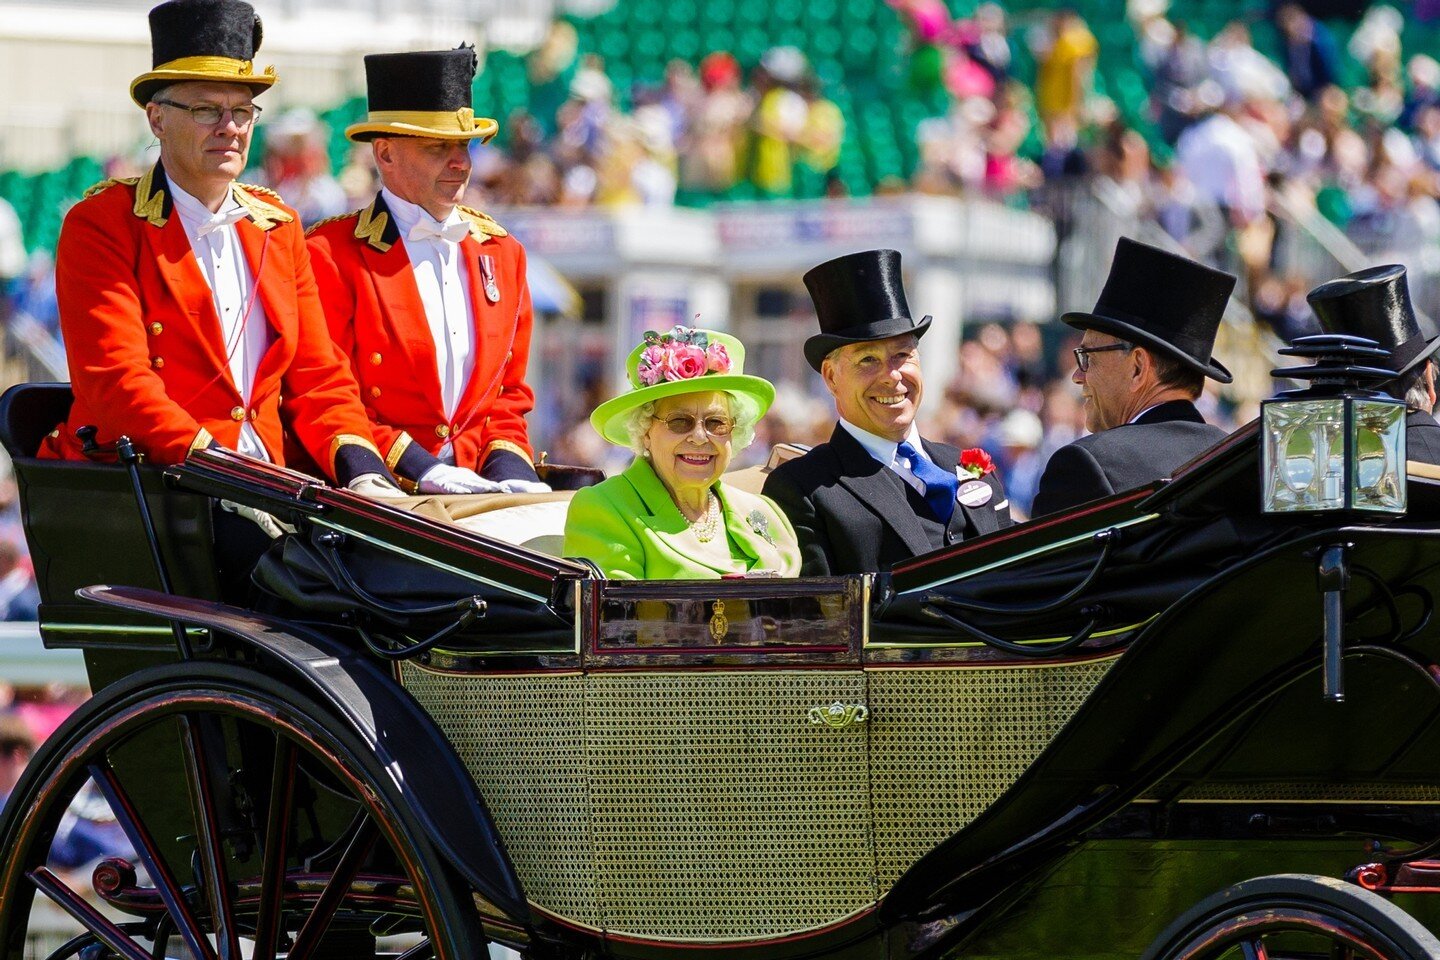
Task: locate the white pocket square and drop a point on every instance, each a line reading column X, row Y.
column 1002, row 504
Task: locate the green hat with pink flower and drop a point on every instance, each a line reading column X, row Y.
column 681, row 360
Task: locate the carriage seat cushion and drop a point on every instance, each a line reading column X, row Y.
column 535, row 521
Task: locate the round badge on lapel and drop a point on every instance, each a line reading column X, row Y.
column 974, row 493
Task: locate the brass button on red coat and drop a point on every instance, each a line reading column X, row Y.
column 442, row 431
column 157, row 328
column 375, row 359
column 157, row 362
column 237, row 414
column 254, row 413
column 375, row 392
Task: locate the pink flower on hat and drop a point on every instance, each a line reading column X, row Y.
column 717, row 358
column 686, row 362
column 648, row 370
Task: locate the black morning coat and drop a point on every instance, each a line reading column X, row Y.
column 1422, row 438
column 853, row 514
column 1163, row 439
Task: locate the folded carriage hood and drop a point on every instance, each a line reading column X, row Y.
column 1234, row 625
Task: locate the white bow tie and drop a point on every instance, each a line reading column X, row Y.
column 427, row 229
column 222, row 219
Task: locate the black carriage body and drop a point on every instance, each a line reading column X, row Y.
column 1048, row 742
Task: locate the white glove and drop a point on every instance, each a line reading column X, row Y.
column 273, row 528
column 524, row 486
column 376, row 487
column 443, row 478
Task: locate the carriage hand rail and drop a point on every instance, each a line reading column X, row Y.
column 1009, row 646
column 471, row 609
column 1107, row 539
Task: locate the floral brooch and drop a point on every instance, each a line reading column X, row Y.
column 761, row 525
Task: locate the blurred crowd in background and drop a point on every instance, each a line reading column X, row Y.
column 1231, row 126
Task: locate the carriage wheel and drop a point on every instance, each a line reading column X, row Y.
column 1295, row 916
column 261, row 828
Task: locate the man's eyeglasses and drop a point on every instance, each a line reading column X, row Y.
column 682, row 425
column 210, row 114
column 1082, row 354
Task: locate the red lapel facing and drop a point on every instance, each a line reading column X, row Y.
column 494, row 322
column 170, row 247
column 404, row 313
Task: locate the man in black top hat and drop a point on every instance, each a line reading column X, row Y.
column 426, row 297
column 1375, row 304
column 1141, row 366
column 877, row 492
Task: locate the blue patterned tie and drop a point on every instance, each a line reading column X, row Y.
column 940, row 487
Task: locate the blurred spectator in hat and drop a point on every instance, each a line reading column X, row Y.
column 551, row 68
column 820, row 137
column 1422, row 76
column 1218, row 156
column 1312, row 59
column 297, row 166
column 717, row 129
column 17, row 745
column 1243, row 72
column 779, row 120
column 12, row 249
column 584, row 117
column 19, row 597
column 1021, row 460
column 984, row 38
column 1066, row 58
column 1176, row 72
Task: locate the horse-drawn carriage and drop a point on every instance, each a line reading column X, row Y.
column 1101, row 734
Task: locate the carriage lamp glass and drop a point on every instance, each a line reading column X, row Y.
column 1333, row 453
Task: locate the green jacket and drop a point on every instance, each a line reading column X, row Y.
column 631, row 528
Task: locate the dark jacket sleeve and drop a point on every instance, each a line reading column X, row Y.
column 809, row 528
column 1072, row 477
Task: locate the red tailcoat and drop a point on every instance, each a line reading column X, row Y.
column 377, row 319
column 147, row 357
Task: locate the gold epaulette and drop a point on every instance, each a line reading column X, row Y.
column 264, row 215
column 263, row 191
column 105, row 184
column 483, row 222
column 320, row 223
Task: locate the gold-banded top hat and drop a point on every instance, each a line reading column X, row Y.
column 421, row 94
column 213, row 40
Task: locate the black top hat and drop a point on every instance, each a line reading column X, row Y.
column 858, row 297
column 213, row 40
column 1375, row 303
column 1163, row 302
column 421, row 94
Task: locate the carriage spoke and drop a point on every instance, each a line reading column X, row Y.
column 272, row 870
column 329, row 901
column 165, row 884
column 91, row 919
column 1254, row 950
column 209, row 839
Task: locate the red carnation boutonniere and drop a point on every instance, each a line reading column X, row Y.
column 976, row 462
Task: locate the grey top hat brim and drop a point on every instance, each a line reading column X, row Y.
column 818, row 347
column 1130, row 333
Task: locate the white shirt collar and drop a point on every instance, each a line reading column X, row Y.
column 408, row 214
column 194, row 213
column 1142, row 413
column 879, row 447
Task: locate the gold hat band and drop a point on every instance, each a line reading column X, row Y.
column 447, row 121
column 222, row 65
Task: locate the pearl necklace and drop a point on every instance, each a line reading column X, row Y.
column 708, row 523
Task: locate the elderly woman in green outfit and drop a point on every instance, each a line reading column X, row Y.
column 668, row 516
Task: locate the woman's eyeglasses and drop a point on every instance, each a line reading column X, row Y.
column 209, row 114
column 1082, row 354
column 683, row 424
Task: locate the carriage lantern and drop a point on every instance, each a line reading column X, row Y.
column 1338, row 444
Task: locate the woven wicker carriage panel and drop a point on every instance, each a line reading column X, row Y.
column 522, row 737
column 721, row 812
column 945, row 743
